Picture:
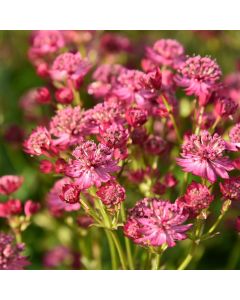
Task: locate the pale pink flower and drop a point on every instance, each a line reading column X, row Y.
column 10, row 183
column 92, row 164
column 38, row 142
column 154, row 222
column 69, row 68
column 199, row 76
column 11, row 257
column 203, row 155
column 166, row 52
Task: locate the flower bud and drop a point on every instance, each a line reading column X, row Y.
column 70, row 193
column 30, row 208
column 43, row 95
column 64, row 95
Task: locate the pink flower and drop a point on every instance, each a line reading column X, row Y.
column 154, row 222
column 225, row 107
column 67, row 126
column 234, row 136
column 46, row 166
column 166, row 52
column 43, row 95
column 155, row 145
column 111, row 194
column 136, row 116
column 105, row 78
column 38, row 142
column 70, row 193
column 56, row 206
column 92, row 165
column 115, row 43
column 230, row 188
column 199, row 76
column 196, row 198
column 64, row 95
column 14, row 206
column 203, row 156
column 45, row 42
column 10, row 183
column 31, row 208
column 232, row 86
column 70, row 69
column 113, row 136
column 11, row 257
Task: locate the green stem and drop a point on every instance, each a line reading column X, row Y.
column 119, row 249
column 157, row 261
column 172, row 118
column 215, row 123
column 225, row 208
column 188, row 258
column 234, row 256
column 112, row 250
column 127, row 242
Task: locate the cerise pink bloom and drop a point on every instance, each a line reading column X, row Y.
column 92, row 164
column 38, row 142
column 70, row 193
column 111, row 194
column 203, row 155
column 31, row 208
column 154, row 222
column 199, row 76
column 10, row 183
column 230, row 188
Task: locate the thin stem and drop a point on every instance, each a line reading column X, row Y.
column 119, row 249
column 226, row 206
column 172, row 118
column 216, row 123
column 76, row 97
column 127, row 242
column 112, row 250
column 200, row 118
column 188, row 258
column 157, row 261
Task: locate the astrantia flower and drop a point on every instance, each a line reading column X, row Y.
column 155, row 145
column 166, row 52
column 38, row 142
column 111, row 194
column 232, row 86
column 105, row 78
column 155, row 222
column 92, row 164
column 11, row 257
column 196, row 198
column 225, row 107
column 69, row 68
column 10, row 183
column 115, row 43
column 43, row 95
column 66, row 126
column 234, row 136
column 70, row 193
column 56, row 206
column 113, row 136
column 31, row 208
column 230, row 188
column 203, row 156
column 64, row 95
column 199, row 76
column 46, row 42
column 136, row 116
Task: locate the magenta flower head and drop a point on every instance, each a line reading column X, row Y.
column 70, row 193
column 154, row 222
column 234, row 136
column 64, row 95
column 136, row 116
column 38, row 142
column 199, row 76
column 92, row 164
column 43, row 95
column 10, row 183
column 113, row 136
column 196, row 198
column 66, row 126
column 155, row 145
column 55, row 204
column 203, row 156
column 111, row 194
column 115, row 43
column 230, row 188
column 225, row 107
column 31, row 208
column 69, row 69
column 11, row 257
column 45, row 42
column 166, row 52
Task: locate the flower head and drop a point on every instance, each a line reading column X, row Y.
column 154, row 222
column 196, row 198
column 30, row 208
column 234, row 136
column 10, row 183
column 203, row 156
column 225, row 107
column 38, row 142
column 70, row 193
column 230, row 188
column 113, row 136
column 166, row 52
column 11, row 257
column 55, row 204
column 115, row 43
column 70, row 69
column 155, row 145
column 92, row 164
column 111, row 194
column 199, row 76
column 136, row 116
